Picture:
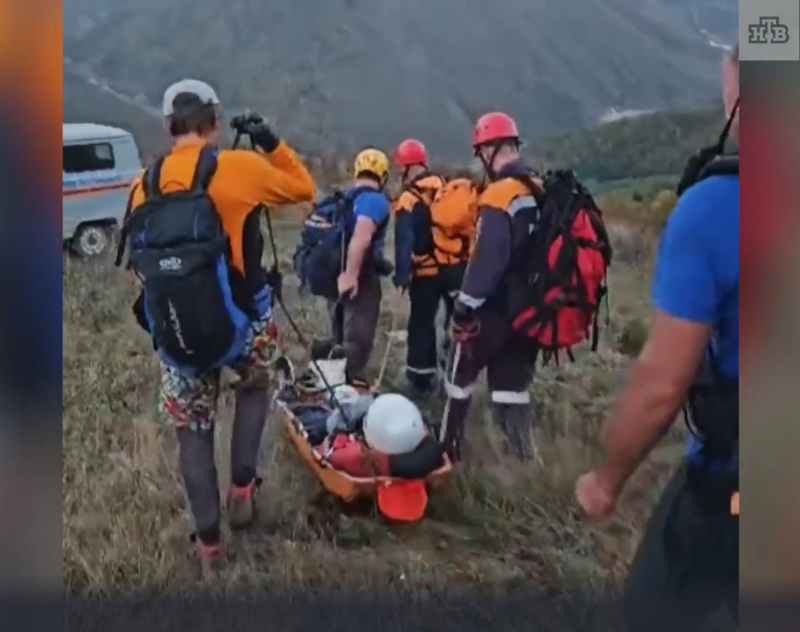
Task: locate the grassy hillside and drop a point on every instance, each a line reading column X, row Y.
column 497, row 526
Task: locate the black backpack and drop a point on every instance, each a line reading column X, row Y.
column 712, row 407
column 321, row 255
column 193, row 302
column 711, row 410
column 711, row 160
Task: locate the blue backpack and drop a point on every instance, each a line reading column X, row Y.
column 194, row 303
column 320, row 256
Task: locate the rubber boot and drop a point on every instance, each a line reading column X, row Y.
column 515, row 422
column 248, row 425
column 453, row 439
column 422, row 384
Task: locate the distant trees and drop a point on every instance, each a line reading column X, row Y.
column 656, row 144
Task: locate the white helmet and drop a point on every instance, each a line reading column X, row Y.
column 393, row 425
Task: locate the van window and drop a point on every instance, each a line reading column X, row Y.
column 92, row 157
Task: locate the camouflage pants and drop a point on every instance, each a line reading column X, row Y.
column 188, row 401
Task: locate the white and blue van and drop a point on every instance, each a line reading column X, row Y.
column 99, row 164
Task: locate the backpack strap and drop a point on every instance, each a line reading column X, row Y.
column 205, row 169
column 528, row 180
column 697, row 166
column 123, row 237
column 419, row 192
column 151, row 180
column 723, row 165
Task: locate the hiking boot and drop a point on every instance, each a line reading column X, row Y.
column 242, row 505
column 212, row 558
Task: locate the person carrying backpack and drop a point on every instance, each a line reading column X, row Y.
column 533, row 283
column 434, row 234
column 341, row 258
column 687, row 566
column 193, row 233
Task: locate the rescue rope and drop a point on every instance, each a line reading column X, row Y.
column 389, row 343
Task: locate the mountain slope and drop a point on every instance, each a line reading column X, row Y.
column 655, row 144
column 649, row 145
column 87, row 102
column 345, row 73
column 718, row 20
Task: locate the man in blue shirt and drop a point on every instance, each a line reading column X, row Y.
column 686, row 568
column 354, row 317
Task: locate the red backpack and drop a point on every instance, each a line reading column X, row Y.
column 562, row 276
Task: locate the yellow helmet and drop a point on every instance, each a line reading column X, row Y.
column 372, row 160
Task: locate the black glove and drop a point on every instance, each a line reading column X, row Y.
column 260, row 133
column 465, row 324
column 400, row 284
column 263, row 136
column 383, row 267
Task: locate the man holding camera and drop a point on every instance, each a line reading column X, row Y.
column 216, row 306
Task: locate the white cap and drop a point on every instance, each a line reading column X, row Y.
column 201, row 89
column 393, row 425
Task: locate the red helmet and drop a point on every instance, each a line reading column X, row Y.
column 410, row 152
column 493, row 127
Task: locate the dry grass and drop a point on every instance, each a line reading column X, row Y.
column 497, row 524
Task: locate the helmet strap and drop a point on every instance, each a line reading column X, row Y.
column 407, row 171
column 488, row 165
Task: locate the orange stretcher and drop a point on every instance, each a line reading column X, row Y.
column 398, row 499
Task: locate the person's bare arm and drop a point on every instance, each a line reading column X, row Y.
column 656, row 389
column 360, row 242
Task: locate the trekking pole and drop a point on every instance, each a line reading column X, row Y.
column 446, row 413
column 279, row 299
column 270, row 232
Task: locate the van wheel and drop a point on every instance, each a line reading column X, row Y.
column 92, row 240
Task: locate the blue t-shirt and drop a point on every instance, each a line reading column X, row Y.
column 697, row 269
column 373, row 205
